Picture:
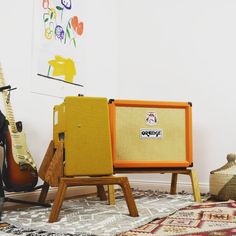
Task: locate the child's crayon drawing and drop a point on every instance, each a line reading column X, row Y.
column 62, row 30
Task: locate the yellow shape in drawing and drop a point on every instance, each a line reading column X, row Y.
column 63, row 67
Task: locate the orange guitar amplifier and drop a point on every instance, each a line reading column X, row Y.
column 148, row 134
column 83, row 124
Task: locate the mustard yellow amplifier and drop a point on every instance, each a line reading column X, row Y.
column 83, row 124
column 148, row 134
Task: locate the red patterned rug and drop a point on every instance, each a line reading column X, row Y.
column 201, row 219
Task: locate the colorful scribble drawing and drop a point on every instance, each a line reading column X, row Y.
column 63, row 27
column 66, row 3
column 77, row 25
column 45, row 4
column 73, row 27
column 49, row 19
column 62, row 67
column 53, row 30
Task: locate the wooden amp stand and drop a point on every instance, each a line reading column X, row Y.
column 173, row 186
column 51, row 172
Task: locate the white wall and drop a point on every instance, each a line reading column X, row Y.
column 137, row 49
column 184, row 51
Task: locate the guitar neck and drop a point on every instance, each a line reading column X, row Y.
column 7, row 104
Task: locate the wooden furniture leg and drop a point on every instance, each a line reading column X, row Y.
column 111, row 180
column 46, row 160
column 101, row 193
column 195, row 186
column 173, row 185
column 111, row 195
column 51, row 168
column 58, row 202
column 43, row 193
column 129, row 200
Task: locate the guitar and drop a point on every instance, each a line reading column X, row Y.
column 19, row 170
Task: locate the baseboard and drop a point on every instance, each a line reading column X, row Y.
column 165, row 186
column 88, row 190
column 33, row 196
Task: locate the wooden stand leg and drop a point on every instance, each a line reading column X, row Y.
column 173, row 186
column 195, row 186
column 58, row 202
column 129, row 197
column 46, row 160
column 101, row 192
column 55, row 168
column 111, row 195
column 43, row 193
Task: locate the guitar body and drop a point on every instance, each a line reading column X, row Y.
column 18, row 175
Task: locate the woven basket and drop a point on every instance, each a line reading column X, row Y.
column 223, row 180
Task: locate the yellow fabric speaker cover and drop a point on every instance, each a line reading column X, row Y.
column 151, row 133
column 83, row 124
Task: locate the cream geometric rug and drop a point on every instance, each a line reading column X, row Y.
column 90, row 216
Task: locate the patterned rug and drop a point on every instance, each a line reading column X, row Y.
column 90, row 216
column 196, row 220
